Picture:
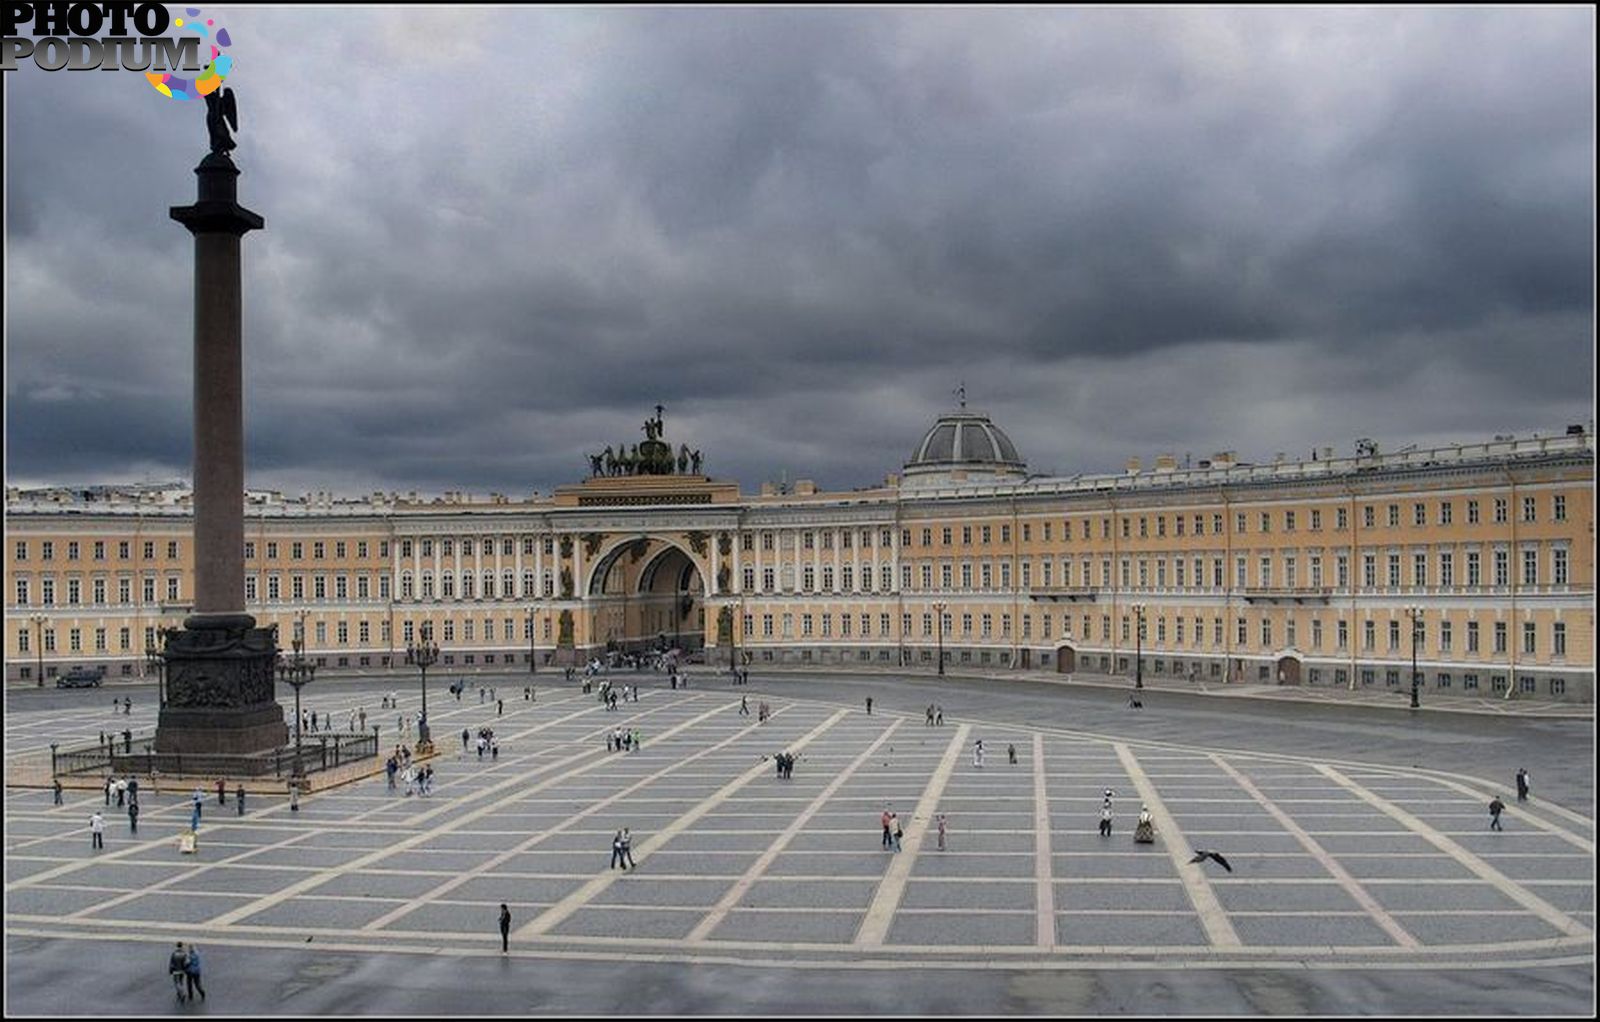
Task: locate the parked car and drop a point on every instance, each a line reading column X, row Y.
column 80, row 677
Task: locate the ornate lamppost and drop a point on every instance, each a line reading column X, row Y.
column 533, row 651
column 1415, row 613
column 424, row 655
column 296, row 671
column 38, row 625
column 155, row 663
column 938, row 614
column 1138, row 656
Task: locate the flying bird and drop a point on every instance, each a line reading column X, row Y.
column 1201, row 855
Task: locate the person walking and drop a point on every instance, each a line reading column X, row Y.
column 361, row 715
column 1496, row 807
column 122, row 792
column 627, row 850
column 499, row 707
column 198, row 799
column 178, row 969
column 222, row 792
column 133, row 817
column 942, row 825
column 1522, row 784
column 1105, row 820
column 238, row 798
column 744, row 706
column 616, row 850
column 637, row 741
column 505, row 928
column 97, row 830
column 194, row 818
column 938, row 716
column 55, row 786
column 1011, row 753
column 977, row 753
column 111, row 785
column 888, row 835
column 869, row 706
column 191, row 972
column 898, row 833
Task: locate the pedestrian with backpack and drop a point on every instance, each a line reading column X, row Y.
column 191, row 971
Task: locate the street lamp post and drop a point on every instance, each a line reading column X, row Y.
column 1138, row 639
column 38, row 623
column 533, row 652
column 424, row 654
column 1415, row 613
column 155, row 663
column 297, row 672
column 938, row 613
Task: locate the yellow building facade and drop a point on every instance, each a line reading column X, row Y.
column 1311, row 572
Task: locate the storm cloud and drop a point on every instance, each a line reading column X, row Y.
column 496, row 238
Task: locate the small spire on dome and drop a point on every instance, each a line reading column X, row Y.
column 961, row 394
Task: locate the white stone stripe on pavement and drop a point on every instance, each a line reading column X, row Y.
column 1351, row 885
column 1219, row 931
column 875, row 925
column 489, row 865
column 1504, row 884
column 1043, row 866
column 732, row 896
column 554, row 915
column 355, row 865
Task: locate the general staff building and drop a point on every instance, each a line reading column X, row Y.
column 1315, row 572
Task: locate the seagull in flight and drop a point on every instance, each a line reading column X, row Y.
column 1201, row 855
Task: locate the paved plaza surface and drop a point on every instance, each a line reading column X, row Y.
column 1364, row 879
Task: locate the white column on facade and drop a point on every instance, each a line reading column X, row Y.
column 477, row 569
column 738, row 563
column 517, row 540
column 855, row 562
column 816, row 560
column 711, row 585
column 417, row 564
column 497, row 569
column 456, row 544
column 577, row 565
column 538, row 564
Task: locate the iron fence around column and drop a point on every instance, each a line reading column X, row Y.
column 318, row 752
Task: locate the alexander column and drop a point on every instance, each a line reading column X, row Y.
column 220, row 696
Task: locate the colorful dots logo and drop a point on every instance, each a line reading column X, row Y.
column 174, row 87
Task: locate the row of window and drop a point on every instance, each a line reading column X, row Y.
column 47, row 549
column 985, row 574
column 1183, row 630
column 469, row 547
column 342, row 632
column 1196, row 524
column 1443, row 514
column 98, row 591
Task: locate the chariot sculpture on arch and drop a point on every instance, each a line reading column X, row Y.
column 653, row 456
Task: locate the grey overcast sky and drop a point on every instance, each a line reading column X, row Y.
column 497, row 237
